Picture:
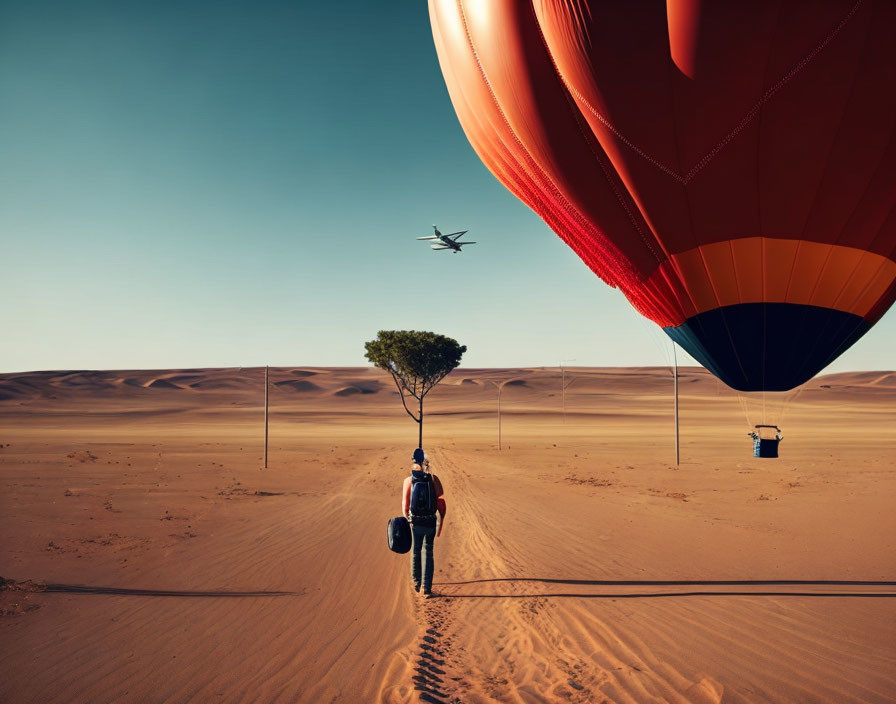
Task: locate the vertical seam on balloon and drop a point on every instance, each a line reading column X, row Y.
column 687, row 200
column 621, row 137
column 508, row 166
column 740, row 295
column 834, row 334
column 573, row 212
column 619, row 197
column 764, row 304
column 883, row 153
column 771, row 47
column 577, row 116
column 821, row 179
column 842, row 347
column 795, row 331
column 796, row 255
column 827, row 164
column 886, row 217
column 497, row 104
column 877, row 310
column 508, row 170
column 771, row 92
column 536, row 200
column 891, row 253
column 821, row 269
column 748, row 117
column 836, row 352
column 654, row 303
column 762, row 249
column 721, row 310
column 870, row 280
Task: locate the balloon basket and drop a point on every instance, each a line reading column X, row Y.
column 765, row 446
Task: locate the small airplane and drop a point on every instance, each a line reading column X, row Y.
column 446, row 241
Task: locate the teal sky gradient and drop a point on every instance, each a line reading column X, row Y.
column 192, row 184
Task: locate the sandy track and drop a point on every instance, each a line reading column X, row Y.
column 568, row 638
column 577, row 565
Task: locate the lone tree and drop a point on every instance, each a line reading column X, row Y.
column 417, row 362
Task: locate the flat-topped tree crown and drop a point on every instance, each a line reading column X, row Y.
column 417, row 361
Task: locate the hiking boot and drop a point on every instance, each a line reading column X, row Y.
column 427, row 595
column 416, row 587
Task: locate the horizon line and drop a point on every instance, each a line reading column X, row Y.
column 370, row 366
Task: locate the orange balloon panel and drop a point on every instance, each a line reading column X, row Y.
column 730, row 167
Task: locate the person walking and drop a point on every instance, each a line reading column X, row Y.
column 422, row 498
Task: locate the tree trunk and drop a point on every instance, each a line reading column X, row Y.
column 420, row 436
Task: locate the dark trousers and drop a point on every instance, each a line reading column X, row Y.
column 424, row 537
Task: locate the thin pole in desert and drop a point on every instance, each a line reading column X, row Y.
column 266, row 417
column 563, row 385
column 498, row 387
column 675, row 377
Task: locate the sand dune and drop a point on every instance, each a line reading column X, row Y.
column 297, row 385
column 161, row 384
column 328, row 381
column 148, row 557
column 358, row 387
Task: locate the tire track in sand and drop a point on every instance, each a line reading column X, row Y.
column 441, row 671
column 435, row 675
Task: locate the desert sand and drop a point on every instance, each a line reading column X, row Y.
column 148, row 557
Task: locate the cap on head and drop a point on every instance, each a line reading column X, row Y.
column 419, row 456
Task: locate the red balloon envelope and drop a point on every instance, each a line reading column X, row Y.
column 729, row 166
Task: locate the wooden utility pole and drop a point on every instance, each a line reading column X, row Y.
column 498, row 387
column 563, row 386
column 675, row 376
column 499, row 415
column 563, row 389
column 266, row 417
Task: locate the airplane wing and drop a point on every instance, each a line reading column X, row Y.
column 431, row 237
column 463, row 243
column 440, row 246
column 455, row 235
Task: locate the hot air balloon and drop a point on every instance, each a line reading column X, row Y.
column 729, row 166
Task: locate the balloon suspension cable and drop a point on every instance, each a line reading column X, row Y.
column 772, row 408
column 742, row 399
column 789, row 399
column 657, row 338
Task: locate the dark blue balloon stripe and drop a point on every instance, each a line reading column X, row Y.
column 768, row 346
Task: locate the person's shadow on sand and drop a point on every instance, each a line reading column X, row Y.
column 753, row 590
column 123, row 591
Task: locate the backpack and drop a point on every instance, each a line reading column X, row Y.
column 423, row 494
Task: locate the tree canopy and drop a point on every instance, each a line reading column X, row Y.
column 416, row 360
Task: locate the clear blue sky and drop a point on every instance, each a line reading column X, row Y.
column 240, row 183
